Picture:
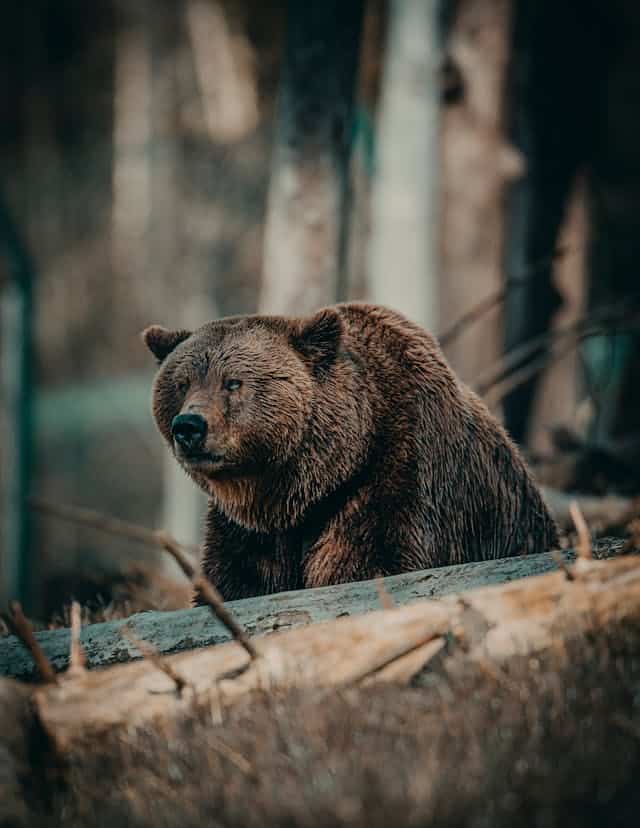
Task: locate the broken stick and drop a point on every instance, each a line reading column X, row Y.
column 20, row 626
column 162, row 539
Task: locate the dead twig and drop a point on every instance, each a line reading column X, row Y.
column 562, row 565
column 584, row 549
column 77, row 657
column 151, row 654
column 626, row 724
column 475, row 314
column 604, row 512
column 232, row 756
column 208, row 592
column 498, row 392
column 20, row 626
column 633, row 530
column 113, row 526
column 599, row 322
column 493, row 300
column 101, row 523
column 386, row 601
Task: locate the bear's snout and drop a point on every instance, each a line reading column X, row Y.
column 189, row 432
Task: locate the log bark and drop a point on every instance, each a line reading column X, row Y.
column 489, row 626
column 187, row 629
column 15, row 716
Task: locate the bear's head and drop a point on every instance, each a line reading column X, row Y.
column 237, row 398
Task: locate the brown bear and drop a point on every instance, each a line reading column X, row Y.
column 337, row 447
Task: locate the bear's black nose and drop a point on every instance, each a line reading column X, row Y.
column 189, row 431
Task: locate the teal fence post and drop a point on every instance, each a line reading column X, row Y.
column 16, row 378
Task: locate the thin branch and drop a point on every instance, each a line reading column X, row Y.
column 625, row 724
column 386, row 601
column 475, row 313
column 598, row 322
column 508, row 363
column 484, row 306
column 231, row 755
column 499, row 391
column 77, row 657
column 113, row 526
column 207, row 591
column 562, row 565
column 20, row 626
column 584, row 549
column 496, row 393
column 151, row 654
column 102, row 523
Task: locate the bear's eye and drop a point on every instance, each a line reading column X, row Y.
column 232, row 384
column 183, row 386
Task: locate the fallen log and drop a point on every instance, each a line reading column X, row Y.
column 504, row 696
column 491, row 626
column 16, row 715
column 170, row 632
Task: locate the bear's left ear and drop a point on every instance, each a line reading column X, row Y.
column 318, row 338
column 161, row 342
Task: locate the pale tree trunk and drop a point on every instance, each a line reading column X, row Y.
column 403, row 261
column 477, row 164
column 132, row 136
column 306, row 205
column 183, row 503
column 224, row 70
column 145, row 228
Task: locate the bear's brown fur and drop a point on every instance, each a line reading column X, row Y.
column 340, row 447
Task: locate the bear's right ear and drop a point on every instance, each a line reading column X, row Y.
column 318, row 338
column 161, row 342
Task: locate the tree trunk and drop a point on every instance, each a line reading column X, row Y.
column 16, row 414
column 478, row 162
column 306, row 210
column 558, row 59
column 402, row 258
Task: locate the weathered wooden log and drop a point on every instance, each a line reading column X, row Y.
column 490, row 625
column 16, row 716
column 171, row 632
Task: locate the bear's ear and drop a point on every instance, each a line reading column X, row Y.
column 161, row 342
column 318, row 338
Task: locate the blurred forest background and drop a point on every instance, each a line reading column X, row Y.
column 474, row 163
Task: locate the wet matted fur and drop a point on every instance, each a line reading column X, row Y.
column 340, row 447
